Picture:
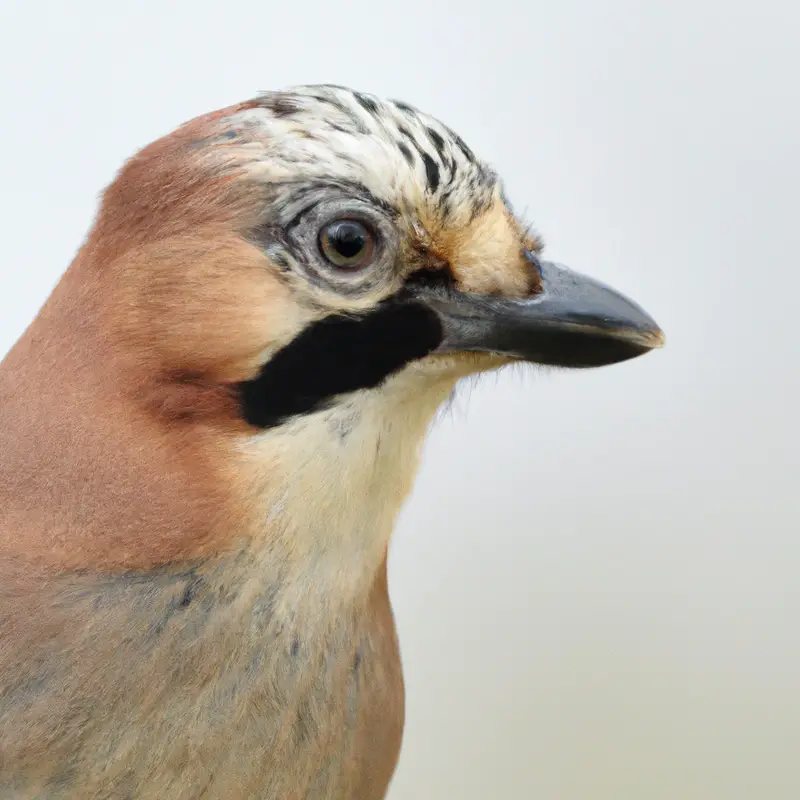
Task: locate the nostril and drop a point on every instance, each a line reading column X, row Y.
column 535, row 283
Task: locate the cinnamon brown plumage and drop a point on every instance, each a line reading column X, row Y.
column 210, row 427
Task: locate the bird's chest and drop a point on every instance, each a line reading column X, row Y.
column 291, row 713
column 197, row 698
column 312, row 724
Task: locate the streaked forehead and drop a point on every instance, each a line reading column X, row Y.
column 399, row 154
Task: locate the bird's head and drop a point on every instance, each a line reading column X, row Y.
column 313, row 271
column 317, row 244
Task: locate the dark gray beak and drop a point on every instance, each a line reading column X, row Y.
column 573, row 322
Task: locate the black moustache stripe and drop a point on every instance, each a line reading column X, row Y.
column 338, row 355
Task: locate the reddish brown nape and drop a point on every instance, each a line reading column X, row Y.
column 116, row 426
column 167, row 189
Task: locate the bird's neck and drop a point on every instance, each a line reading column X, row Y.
column 327, row 488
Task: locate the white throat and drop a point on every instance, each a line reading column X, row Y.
column 328, row 486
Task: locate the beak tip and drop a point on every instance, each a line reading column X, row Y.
column 655, row 338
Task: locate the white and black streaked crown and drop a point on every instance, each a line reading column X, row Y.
column 396, row 152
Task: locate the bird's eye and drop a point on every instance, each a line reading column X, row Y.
column 347, row 244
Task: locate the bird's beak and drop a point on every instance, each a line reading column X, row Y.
column 574, row 321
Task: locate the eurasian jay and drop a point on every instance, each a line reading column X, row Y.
column 208, row 431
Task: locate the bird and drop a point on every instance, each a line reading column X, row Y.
column 211, row 425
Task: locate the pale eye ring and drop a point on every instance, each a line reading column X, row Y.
column 347, row 244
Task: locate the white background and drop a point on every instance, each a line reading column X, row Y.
column 596, row 579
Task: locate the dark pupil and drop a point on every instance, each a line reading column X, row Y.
column 348, row 239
